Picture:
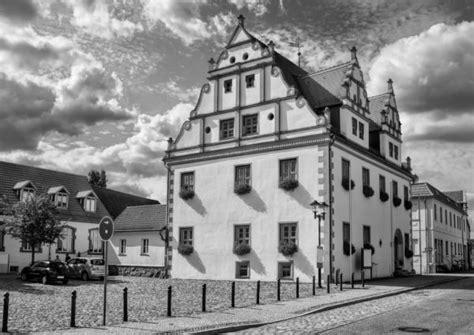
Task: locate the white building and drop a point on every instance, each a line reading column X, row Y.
column 264, row 141
column 441, row 229
column 80, row 206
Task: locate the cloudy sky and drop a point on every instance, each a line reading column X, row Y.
column 102, row 84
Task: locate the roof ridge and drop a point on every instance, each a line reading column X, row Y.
column 128, row 194
column 327, row 69
column 41, row 168
column 379, row 95
column 144, row 205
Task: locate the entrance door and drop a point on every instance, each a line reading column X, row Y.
column 398, row 249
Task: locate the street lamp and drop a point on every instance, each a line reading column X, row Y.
column 319, row 210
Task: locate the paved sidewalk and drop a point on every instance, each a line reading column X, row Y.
column 231, row 319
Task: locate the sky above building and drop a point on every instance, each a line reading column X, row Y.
column 103, row 84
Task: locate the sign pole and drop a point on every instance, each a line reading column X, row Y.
column 106, row 244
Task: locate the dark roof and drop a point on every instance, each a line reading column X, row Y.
column 142, row 218
column 115, row 202
column 457, row 196
column 43, row 179
column 426, row 190
column 376, row 105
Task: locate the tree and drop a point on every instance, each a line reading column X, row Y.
column 97, row 178
column 34, row 221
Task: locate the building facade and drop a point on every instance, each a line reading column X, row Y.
column 80, row 205
column 441, row 230
column 267, row 139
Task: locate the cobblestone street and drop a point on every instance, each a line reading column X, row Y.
column 37, row 307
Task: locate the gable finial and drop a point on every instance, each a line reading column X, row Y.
column 390, row 85
column 241, row 19
column 212, row 62
column 354, row 53
column 271, row 45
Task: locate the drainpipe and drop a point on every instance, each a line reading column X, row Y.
column 331, row 141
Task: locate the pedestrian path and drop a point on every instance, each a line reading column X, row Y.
column 235, row 318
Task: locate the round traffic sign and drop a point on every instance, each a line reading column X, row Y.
column 106, row 228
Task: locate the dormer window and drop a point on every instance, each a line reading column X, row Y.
column 25, row 190
column 59, row 196
column 88, row 200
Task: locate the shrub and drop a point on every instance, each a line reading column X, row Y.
column 397, row 201
column 408, row 253
column 289, row 184
column 349, row 249
column 242, row 188
column 369, row 246
column 407, row 204
column 287, row 248
column 186, row 194
column 368, row 191
column 345, row 184
column 185, row 249
column 241, row 249
column 383, row 196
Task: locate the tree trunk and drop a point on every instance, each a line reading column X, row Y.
column 32, row 254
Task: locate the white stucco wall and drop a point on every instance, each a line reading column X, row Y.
column 133, row 255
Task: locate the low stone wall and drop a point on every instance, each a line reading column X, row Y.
column 137, row 271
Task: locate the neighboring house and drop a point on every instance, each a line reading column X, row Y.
column 441, row 229
column 264, row 141
column 137, row 246
column 80, row 205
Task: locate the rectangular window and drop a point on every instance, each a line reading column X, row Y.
column 435, row 212
column 382, row 183
column 390, row 149
column 242, row 234
column 395, row 152
column 61, row 200
column 27, row 193
column 95, row 243
column 25, row 246
column 250, row 80
column 242, row 175
column 227, row 85
column 446, row 216
column 394, row 189
column 89, row 204
column 405, row 193
column 288, row 232
column 447, row 248
column 361, row 130
column 65, row 242
column 288, row 170
column 346, row 232
column 354, row 126
column 145, row 245
column 345, row 168
column 366, row 235
column 242, row 270
column 186, row 236
column 226, row 129
column 407, row 242
column 123, row 247
column 365, row 177
column 2, row 238
column 187, row 181
column 285, row 270
column 440, row 214
column 250, row 125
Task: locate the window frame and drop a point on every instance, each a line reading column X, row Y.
column 59, row 242
column 390, row 149
column 365, row 176
column 281, row 264
column 435, row 210
column 27, row 193
column 394, row 189
column 247, row 180
column 89, row 203
column 26, row 247
column 122, row 247
column 345, row 165
column 185, row 185
column 382, row 182
column 395, row 152
column 226, row 134
column 238, row 268
column 145, row 247
column 291, row 175
column 92, row 249
column 228, row 85
column 361, row 130
column 292, row 233
column 246, row 234
column 354, row 126
column 250, row 80
column 346, row 232
column 365, row 229
column 186, row 240
column 253, row 127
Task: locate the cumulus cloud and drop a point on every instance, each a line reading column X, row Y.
column 184, row 19
column 18, row 11
column 258, row 7
column 95, row 18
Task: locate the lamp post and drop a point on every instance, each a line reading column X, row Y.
column 319, row 210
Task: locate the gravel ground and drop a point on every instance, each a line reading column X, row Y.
column 37, row 307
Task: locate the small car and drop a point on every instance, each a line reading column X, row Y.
column 86, row 268
column 46, row 272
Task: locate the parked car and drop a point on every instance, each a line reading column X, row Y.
column 46, row 272
column 86, row 268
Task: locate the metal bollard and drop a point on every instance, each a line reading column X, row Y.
column 328, row 285
column 314, row 285
column 258, row 292
column 319, row 278
column 232, row 295
column 169, row 301
column 352, row 280
column 6, row 301
column 341, row 281
column 278, row 290
column 337, row 278
column 203, row 297
column 362, row 277
column 125, row 304
column 73, row 308
column 297, row 287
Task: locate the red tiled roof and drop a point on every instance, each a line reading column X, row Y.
column 115, row 202
column 142, row 218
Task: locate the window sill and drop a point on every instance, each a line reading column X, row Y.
column 122, row 254
column 242, row 277
column 66, row 252
column 29, row 251
column 145, row 254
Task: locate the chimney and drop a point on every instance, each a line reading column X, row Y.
column 354, row 53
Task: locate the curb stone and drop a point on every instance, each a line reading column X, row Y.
column 243, row 326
